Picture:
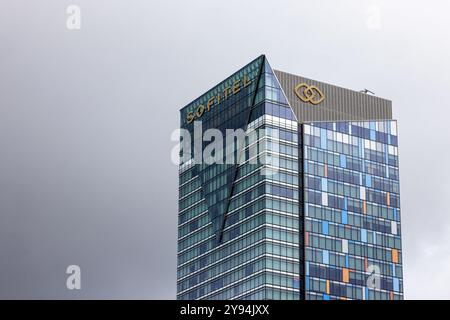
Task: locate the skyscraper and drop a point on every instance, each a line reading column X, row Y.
column 316, row 217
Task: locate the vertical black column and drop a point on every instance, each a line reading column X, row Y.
column 301, row 211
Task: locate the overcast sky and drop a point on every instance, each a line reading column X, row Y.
column 86, row 117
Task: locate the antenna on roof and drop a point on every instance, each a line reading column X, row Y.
column 366, row 91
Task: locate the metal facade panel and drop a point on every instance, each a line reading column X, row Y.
column 339, row 103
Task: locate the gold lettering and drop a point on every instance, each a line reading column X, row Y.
column 226, row 92
column 210, row 103
column 246, row 81
column 190, row 117
column 200, row 110
column 236, row 86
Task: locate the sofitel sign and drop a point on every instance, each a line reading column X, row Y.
column 217, row 99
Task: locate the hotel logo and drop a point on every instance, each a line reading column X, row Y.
column 309, row 93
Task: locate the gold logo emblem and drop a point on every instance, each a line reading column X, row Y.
column 309, row 93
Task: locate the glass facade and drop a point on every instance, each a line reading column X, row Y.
column 314, row 224
column 352, row 211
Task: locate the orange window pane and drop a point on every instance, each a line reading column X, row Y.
column 345, row 275
column 395, row 255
